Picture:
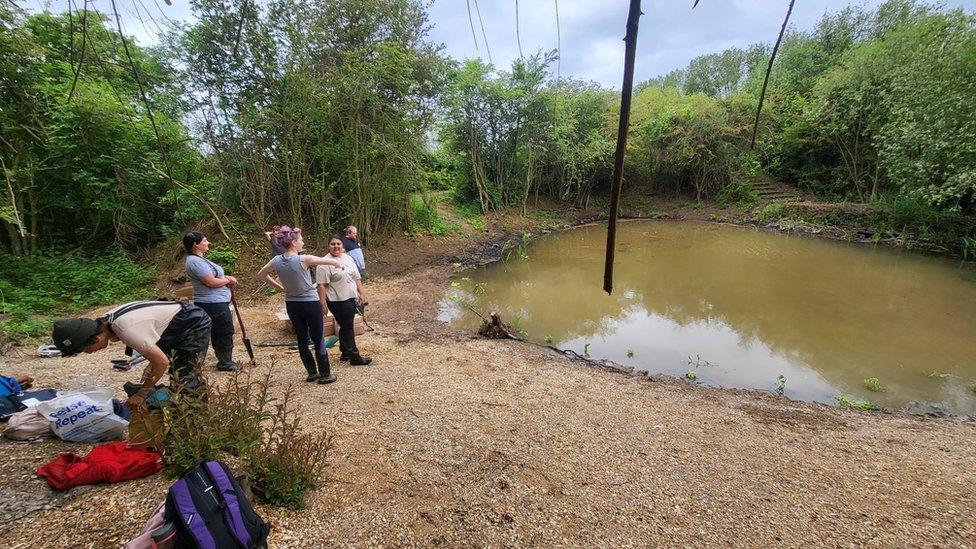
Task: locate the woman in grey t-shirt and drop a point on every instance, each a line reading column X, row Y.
column 211, row 292
column 301, row 299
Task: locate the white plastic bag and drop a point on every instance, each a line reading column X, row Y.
column 84, row 416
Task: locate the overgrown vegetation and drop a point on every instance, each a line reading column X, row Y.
column 245, row 420
column 35, row 287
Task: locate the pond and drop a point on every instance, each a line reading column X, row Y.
column 740, row 307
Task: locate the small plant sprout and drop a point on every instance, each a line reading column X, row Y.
column 480, row 288
column 630, row 353
column 872, row 384
column 455, row 284
column 691, row 375
column 780, row 384
column 586, row 350
column 935, row 374
column 972, row 386
column 845, row 401
column 549, row 340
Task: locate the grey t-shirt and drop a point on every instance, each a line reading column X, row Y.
column 196, row 269
column 295, row 278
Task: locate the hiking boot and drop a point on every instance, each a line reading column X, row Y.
column 312, row 378
column 230, row 367
column 327, row 379
column 344, row 357
column 360, row 360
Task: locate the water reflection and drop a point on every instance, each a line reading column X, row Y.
column 755, row 305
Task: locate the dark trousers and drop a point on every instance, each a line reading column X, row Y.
column 222, row 332
column 185, row 340
column 345, row 315
column 307, row 318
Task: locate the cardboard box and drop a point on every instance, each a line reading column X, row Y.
column 328, row 324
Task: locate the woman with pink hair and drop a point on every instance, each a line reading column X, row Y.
column 301, row 298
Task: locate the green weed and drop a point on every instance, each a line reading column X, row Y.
column 223, row 256
column 548, row 340
column 770, row 212
column 691, row 375
column 872, row 384
column 850, row 402
column 780, row 384
column 740, row 193
column 630, row 353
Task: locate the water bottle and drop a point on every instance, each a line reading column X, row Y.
column 83, row 381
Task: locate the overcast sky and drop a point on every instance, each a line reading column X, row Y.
column 591, row 31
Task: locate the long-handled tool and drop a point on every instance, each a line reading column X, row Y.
column 361, row 309
column 240, row 321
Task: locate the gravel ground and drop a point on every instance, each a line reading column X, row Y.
column 452, row 440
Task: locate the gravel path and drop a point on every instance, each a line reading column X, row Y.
column 452, row 440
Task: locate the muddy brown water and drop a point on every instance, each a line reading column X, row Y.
column 741, row 307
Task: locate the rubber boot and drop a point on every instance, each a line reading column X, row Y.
column 326, row 375
column 225, row 361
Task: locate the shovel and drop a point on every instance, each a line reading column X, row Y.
column 247, row 342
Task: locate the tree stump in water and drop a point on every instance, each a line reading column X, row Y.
column 496, row 329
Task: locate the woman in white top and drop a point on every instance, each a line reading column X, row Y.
column 338, row 290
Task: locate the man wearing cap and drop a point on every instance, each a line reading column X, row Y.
column 173, row 336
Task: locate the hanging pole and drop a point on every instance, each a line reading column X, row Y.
column 769, row 68
column 630, row 52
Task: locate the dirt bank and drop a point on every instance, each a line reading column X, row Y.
column 447, row 439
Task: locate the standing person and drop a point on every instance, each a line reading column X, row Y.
column 276, row 248
column 211, row 292
column 301, row 299
column 338, row 290
column 173, row 336
column 351, row 243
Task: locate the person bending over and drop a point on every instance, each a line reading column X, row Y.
column 173, row 336
column 301, row 299
column 338, row 290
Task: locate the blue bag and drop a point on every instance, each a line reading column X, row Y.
column 9, row 386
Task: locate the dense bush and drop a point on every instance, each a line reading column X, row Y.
column 35, row 287
column 684, row 143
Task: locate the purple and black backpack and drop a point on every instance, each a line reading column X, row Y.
column 210, row 511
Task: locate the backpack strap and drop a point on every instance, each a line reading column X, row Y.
column 135, row 305
column 232, row 508
column 189, row 516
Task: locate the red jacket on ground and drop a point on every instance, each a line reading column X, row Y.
column 111, row 462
